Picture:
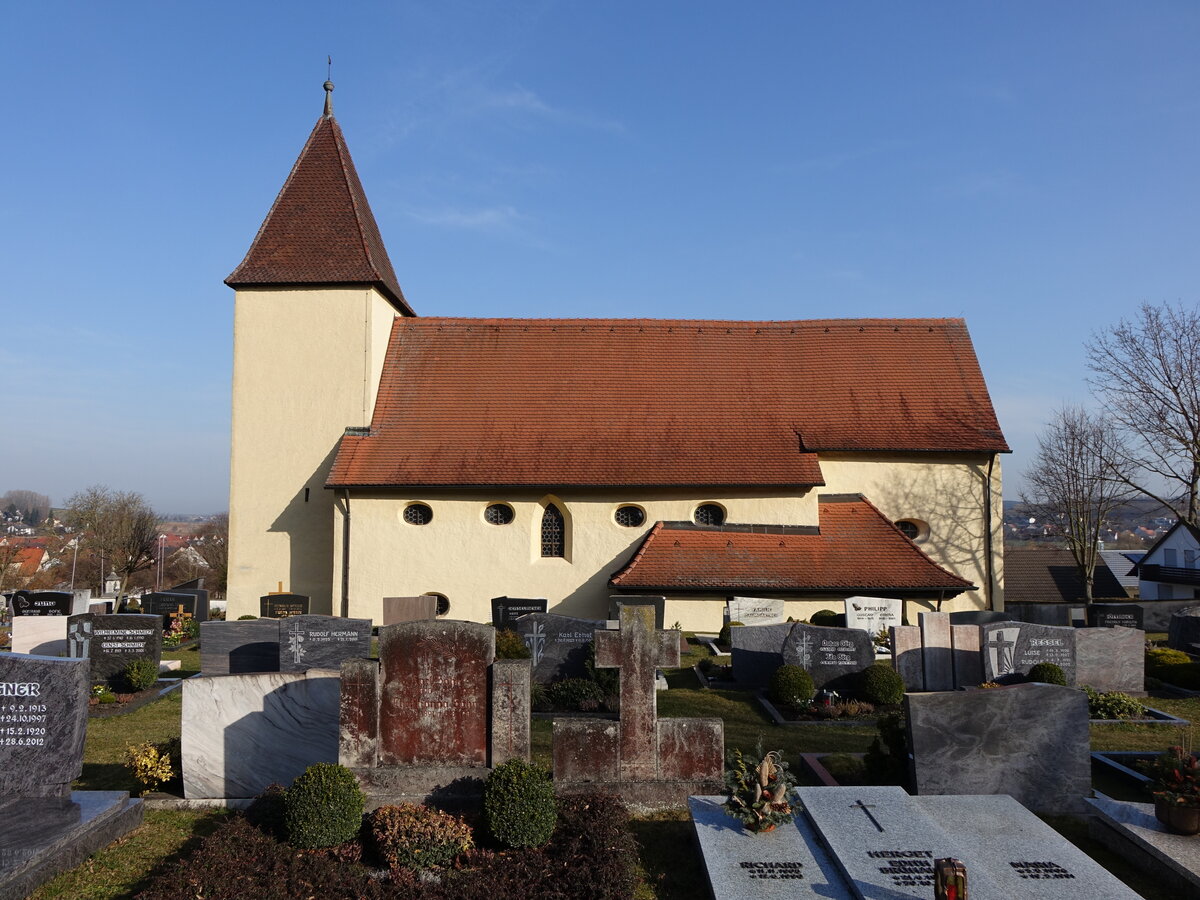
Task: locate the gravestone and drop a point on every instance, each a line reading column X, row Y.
column 756, row 651
column 45, row 827
column 46, row 603
column 645, row 760
column 755, row 610
column 409, row 609
column 908, row 656
column 830, row 655
column 510, row 710
column 1013, row 648
column 195, row 587
column 168, row 606
column 618, row 601
column 241, row 733
column 40, row 635
column 238, row 648
column 280, row 606
column 558, row 645
column 968, row 655
column 1111, row 659
column 978, row 617
column 873, row 614
column 1029, row 741
column 321, row 642
column 938, row 654
column 1114, row 615
column 110, row 642
column 1183, row 631
column 506, row 610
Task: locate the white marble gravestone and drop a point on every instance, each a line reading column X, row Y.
column 756, row 610
column 873, row 614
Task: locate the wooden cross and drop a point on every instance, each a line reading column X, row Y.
column 180, row 614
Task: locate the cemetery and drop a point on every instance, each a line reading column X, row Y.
column 1039, row 743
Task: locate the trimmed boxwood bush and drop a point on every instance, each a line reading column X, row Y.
column 880, row 685
column 791, row 686
column 1047, row 673
column 139, row 675
column 1161, row 657
column 723, row 634
column 323, row 807
column 408, row 836
column 824, row 617
column 518, row 804
column 245, row 617
column 509, row 645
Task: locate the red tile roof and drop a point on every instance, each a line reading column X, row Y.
column 857, row 549
column 320, row 229
column 28, row 560
column 656, row 402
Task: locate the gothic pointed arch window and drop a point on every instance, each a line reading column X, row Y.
column 554, row 532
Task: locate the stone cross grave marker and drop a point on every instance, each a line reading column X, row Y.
column 110, row 642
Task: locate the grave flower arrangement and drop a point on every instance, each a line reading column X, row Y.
column 759, row 795
column 1176, row 789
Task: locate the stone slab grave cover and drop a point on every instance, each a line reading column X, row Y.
column 645, row 760
column 756, row 651
column 1013, row 648
column 110, row 642
column 282, row 605
column 44, row 826
column 558, row 645
column 1029, row 741
column 1183, row 631
column 46, row 603
column 755, row 610
column 40, row 635
column 506, row 610
column 884, row 842
column 321, row 642
column 1131, row 830
column 1111, row 659
column 873, row 614
column 409, row 609
column 239, row 648
column 828, row 654
column 1115, row 615
column 617, row 602
column 241, row 733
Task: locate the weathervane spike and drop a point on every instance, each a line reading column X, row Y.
column 328, row 87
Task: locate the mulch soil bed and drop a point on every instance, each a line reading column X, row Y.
column 127, row 703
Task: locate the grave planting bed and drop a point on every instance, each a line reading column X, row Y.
column 127, row 703
column 779, row 717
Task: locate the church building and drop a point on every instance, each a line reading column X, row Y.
column 378, row 453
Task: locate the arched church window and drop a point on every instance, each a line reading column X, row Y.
column 709, row 514
column 554, row 535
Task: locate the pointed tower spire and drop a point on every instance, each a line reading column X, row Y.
column 320, row 230
column 328, row 87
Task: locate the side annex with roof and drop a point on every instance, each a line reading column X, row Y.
column 377, row 453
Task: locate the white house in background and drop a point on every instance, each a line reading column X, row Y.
column 1170, row 570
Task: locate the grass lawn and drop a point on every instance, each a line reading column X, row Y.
column 670, row 862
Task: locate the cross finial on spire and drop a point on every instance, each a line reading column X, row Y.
column 328, row 87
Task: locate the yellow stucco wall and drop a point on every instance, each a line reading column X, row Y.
column 306, row 364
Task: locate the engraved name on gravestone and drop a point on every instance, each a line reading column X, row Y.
column 828, row 653
column 280, row 606
column 110, row 642
column 506, row 610
column 1013, row 648
column 873, row 614
column 167, row 605
column 195, row 588
column 321, row 642
column 43, row 719
column 558, row 645
column 1113, row 615
column 756, row 610
column 46, row 603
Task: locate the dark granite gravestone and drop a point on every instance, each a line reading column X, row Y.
column 280, row 606
column 321, row 642
column 1029, row 741
column 1183, row 632
column 195, row 587
column 1013, row 648
column 110, row 642
column 829, row 655
column 506, row 610
column 45, row 603
column 1111, row 659
column 167, row 605
column 409, row 609
column 978, row 617
column 238, row 648
column 757, row 651
column 558, row 645
column 1114, row 615
column 617, row 601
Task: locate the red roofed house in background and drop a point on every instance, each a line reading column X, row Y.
column 377, row 453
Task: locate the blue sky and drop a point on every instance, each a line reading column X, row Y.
column 1031, row 167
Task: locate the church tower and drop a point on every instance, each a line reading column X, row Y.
column 314, row 305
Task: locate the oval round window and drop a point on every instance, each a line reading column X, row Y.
column 443, row 603
column 913, row 529
column 629, row 516
column 709, row 514
column 418, row 514
column 498, row 514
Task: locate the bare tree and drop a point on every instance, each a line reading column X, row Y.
column 9, row 551
column 1075, row 482
column 121, row 526
column 1147, row 372
column 34, row 507
column 215, row 550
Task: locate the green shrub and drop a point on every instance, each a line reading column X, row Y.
column 823, row 617
column 247, row 616
column 510, row 645
column 1047, row 673
column 323, row 807
column 417, row 837
column 1112, row 705
column 608, row 679
column 576, row 694
column 845, row 768
column 791, row 686
column 518, row 804
column 1184, row 675
column 139, row 675
column 880, row 685
column 1160, row 658
column 723, row 634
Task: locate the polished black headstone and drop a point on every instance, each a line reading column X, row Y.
column 1013, row 648
column 558, row 645
column 43, row 720
column 280, row 606
column 110, row 642
column 756, row 651
column 239, row 648
column 165, row 605
column 1112, row 615
column 43, row 603
column 832, row 656
column 321, row 642
column 195, row 587
column 506, row 610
